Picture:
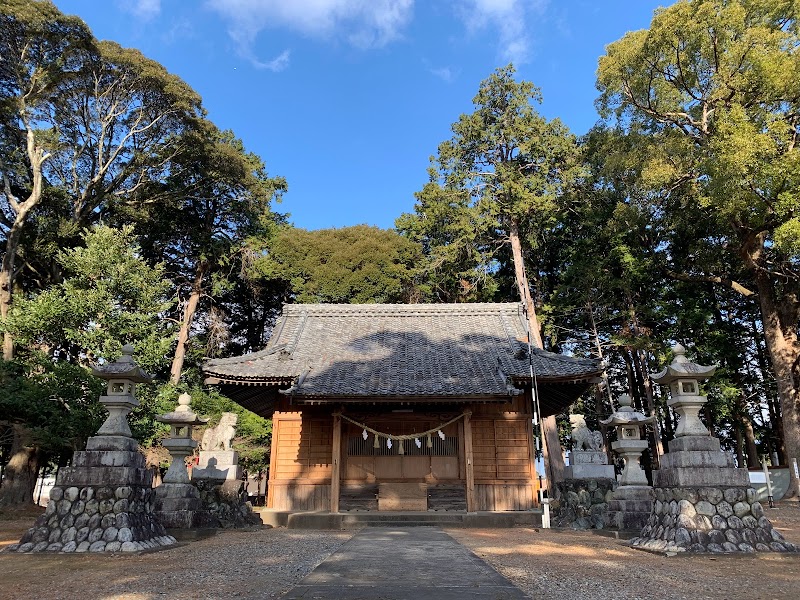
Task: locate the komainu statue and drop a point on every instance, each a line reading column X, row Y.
column 221, row 436
column 582, row 437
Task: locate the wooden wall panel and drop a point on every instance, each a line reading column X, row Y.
column 503, row 496
column 302, row 452
column 301, row 496
column 501, row 448
column 502, row 456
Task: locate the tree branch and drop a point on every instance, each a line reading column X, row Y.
column 723, row 281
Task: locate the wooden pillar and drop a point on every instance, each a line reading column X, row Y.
column 469, row 461
column 532, row 453
column 335, row 461
column 273, row 460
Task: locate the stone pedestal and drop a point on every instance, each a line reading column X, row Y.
column 218, row 465
column 630, row 507
column 588, row 481
column 588, row 464
column 698, row 461
column 178, row 506
column 226, row 502
column 103, row 503
column 583, row 503
column 704, row 504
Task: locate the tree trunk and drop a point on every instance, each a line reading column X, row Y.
column 553, row 456
column 784, row 350
column 36, row 156
column 7, row 275
column 186, row 324
column 551, row 445
column 746, row 428
column 6, row 281
column 20, row 473
column 521, row 277
column 599, row 397
column 773, row 404
column 739, row 447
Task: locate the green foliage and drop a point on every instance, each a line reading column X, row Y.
column 57, row 401
column 705, row 105
column 359, row 264
column 110, row 297
column 715, row 80
column 505, row 168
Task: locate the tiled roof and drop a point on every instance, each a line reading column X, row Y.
column 398, row 350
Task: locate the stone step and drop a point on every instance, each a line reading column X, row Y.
column 327, row 520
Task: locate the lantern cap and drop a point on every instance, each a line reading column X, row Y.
column 626, row 415
column 182, row 415
column 681, row 368
column 123, row 368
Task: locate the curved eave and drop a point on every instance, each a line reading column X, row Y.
column 588, row 378
column 219, row 379
column 394, row 399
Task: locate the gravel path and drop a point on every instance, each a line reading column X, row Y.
column 546, row 564
column 567, row 565
column 232, row 564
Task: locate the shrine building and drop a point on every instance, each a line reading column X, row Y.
column 402, row 406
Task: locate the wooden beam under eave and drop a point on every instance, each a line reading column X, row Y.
column 470, row 483
column 336, row 461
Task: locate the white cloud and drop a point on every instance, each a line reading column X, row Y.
column 142, row 9
column 362, row 23
column 446, row 74
column 511, row 19
column 277, row 64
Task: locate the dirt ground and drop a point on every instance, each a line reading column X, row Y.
column 548, row 564
column 575, row 565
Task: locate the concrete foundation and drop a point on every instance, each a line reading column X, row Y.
column 337, row 521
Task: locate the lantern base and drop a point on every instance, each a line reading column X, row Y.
column 716, row 519
column 630, row 508
column 112, row 442
column 103, row 503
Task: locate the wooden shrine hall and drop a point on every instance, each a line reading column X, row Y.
column 401, row 406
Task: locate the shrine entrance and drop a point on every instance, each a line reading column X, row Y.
column 402, row 474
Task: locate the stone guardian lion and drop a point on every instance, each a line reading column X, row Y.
column 221, row 436
column 582, row 437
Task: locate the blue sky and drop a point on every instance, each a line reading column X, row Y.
column 348, row 99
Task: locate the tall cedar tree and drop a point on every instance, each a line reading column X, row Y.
column 712, row 86
column 500, row 178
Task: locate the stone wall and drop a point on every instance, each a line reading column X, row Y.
column 227, row 502
column 96, row 519
column 710, row 520
column 583, row 503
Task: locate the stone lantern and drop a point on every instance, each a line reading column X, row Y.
column 629, row 445
column 177, row 499
column 180, row 443
column 683, row 379
column 103, row 501
column 703, row 503
column 632, row 501
column 120, row 399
